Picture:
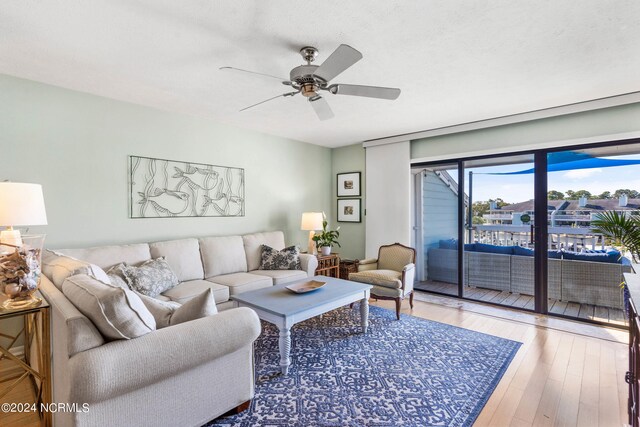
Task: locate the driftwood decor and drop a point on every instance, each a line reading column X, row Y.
column 161, row 188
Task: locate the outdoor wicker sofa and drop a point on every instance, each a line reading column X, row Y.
column 575, row 280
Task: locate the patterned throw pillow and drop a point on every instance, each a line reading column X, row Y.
column 151, row 278
column 286, row 259
column 117, row 277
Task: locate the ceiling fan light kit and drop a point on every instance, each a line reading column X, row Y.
column 309, row 80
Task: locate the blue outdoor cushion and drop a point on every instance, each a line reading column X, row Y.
column 612, row 258
column 494, row 249
column 449, row 244
column 520, row 251
column 470, row 247
column 555, row 254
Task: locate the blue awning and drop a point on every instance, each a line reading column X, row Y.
column 570, row 160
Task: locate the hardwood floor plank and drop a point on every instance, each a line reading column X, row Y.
column 608, row 409
column 588, row 412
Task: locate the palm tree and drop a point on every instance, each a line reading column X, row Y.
column 623, row 230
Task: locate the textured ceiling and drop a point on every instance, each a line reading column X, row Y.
column 455, row 61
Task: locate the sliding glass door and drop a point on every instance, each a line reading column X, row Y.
column 499, row 244
column 591, row 192
column 531, row 231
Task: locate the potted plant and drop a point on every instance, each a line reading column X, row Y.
column 624, row 232
column 327, row 238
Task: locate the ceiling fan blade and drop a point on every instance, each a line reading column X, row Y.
column 341, row 59
column 321, row 107
column 368, row 91
column 284, row 95
column 253, row 72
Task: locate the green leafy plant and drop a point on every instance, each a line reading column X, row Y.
column 623, row 230
column 326, row 237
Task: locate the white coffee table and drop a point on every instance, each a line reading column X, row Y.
column 283, row 308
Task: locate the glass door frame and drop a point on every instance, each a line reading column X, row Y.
column 541, row 228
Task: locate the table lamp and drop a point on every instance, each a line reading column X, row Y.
column 21, row 204
column 311, row 222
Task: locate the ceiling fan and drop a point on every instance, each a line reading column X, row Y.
column 310, row 80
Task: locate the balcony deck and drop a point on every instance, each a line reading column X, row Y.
column 567, row 308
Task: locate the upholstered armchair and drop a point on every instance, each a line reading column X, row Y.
column 391, row 274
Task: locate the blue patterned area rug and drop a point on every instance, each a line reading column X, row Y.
column 412, row 372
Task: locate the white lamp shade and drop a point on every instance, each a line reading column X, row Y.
column 21, row 204
column 311, row 221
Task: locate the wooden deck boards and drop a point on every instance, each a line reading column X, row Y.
column 566, row 308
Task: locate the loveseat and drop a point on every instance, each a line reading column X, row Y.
column 186, row 374
column 590, row 278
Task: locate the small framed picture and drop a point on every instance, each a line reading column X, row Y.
column 349, row 210
column 349, row 184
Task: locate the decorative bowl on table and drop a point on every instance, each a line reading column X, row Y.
column 304, row 287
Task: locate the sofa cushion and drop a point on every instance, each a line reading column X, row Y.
column 520, row 251
column 183, row 257
column 448, row 244
column 494, row 249
column 197, row 307
column 160, row 310
column 253, row 246
column 171, row 313
column 609, row 257
column 118, row 313
column 242, row 282
column 222, row 255
column 384, row 278
column 555, row 255
column 187, row 290
column 107, row 256
column 152, row 278
column 58, row 267
column 282, row 276
column 285, row 259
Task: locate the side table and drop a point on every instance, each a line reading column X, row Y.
column 328, row 265
column 37, row 357
column 348, row 266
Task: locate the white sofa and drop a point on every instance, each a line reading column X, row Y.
column 185, row 374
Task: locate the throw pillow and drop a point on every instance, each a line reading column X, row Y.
column 118, row 281
column 286, row 259
column 168, row 313
column 199, row 306
column 58, row 267
column 118, row 313
column 152, row 278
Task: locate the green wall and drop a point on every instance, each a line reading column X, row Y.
column 76, row 145
column 348, row 159
column 532, row 134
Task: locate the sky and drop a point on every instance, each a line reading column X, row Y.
column 519, row 188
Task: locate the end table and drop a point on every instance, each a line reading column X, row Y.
column 328, row 265
column 37, row 355
column 348, row 266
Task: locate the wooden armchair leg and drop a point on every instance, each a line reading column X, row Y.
column 411, row 300
column 398, row 303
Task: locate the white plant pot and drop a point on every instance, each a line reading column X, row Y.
column 325, row 250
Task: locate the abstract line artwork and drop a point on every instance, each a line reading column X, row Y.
column 166, row 188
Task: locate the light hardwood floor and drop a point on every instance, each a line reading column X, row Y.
column 565, row 374
column 23, row 393
column 557, row 377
